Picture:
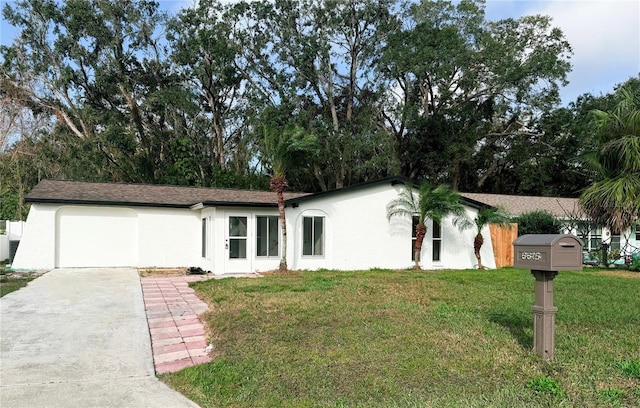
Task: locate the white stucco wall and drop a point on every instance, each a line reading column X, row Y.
column 356, row 230
column 152, row 237
column 37, row 246
column 168, row 237
column 359, row 236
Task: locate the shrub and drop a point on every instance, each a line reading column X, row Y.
column 538, row 222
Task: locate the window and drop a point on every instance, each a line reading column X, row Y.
column 437, row 241
column 638, row 232
column 595, row 238
column 238, row 237
column 204, row 238
column 615, row 242
column 267, row 237
column 313, row 236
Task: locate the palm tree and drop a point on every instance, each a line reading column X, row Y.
column 282, row 148
column 486, row 216
column 614, row 200
column 430, row 203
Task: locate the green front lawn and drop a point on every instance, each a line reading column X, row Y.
column 416, row 339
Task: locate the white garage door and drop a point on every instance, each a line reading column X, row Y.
column 96, row 237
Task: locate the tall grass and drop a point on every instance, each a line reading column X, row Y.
column 415, row 339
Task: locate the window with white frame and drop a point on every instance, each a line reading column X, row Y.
column 267, row 236
column 638, row 232
column 595, row 238
column 436, row 232
column 313, row 236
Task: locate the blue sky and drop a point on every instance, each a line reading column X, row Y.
column 604, row 35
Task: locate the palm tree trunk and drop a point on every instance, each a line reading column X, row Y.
column 421, row 232
column 477, row 244
column 283, row 225
column 279, row 184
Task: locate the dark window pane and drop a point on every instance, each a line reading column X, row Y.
column 436, row 250
column 307, row 236
column 261, row 236
column 318, row 235
column 274, row 237
column 238, row 248
column 237, row 226
column 204, row 237
column 437, row 230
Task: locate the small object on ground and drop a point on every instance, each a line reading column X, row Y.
column 196, row 270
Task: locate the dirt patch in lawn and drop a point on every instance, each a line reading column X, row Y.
column 623, row 274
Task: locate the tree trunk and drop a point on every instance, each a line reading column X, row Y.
column 279, row 184
column 477, row 244
column 421, row 231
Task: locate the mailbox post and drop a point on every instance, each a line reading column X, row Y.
column 545, row 255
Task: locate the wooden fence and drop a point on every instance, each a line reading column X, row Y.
column 502, row 240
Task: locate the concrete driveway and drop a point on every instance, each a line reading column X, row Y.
column 79, row 338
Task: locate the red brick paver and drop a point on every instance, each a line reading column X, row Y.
column 178, row 337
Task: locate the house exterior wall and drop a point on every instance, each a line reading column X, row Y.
column 37, row 246
column 168, row 237
column 13, row 232
column 163, row 237
column 356, row 235
column 359, row 236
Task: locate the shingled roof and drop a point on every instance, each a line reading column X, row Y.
column 75, row 192
column 518, row 205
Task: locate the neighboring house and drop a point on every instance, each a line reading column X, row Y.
column 78, row 224
column 10, row 234
column 567, row 210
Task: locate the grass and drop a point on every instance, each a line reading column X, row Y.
column 416, row 339
column 11, row 284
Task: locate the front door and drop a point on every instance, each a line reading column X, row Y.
column 237, row 243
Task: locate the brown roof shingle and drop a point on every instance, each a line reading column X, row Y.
column 76, row 192
column 518, row 205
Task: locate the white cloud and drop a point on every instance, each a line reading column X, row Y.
column 604, row 35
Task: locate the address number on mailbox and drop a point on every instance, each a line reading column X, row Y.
column 531, row 256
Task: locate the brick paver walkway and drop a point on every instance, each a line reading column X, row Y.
column 178, row 338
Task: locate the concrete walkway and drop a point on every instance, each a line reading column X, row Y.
column 79, row 338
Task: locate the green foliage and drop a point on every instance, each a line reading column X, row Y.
column 466, row 85
column 429, row 203
column 430, row 90
column 630, row 368
column 614, row 199
column 538, row 222
column 545, row 385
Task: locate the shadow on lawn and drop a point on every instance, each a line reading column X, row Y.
column 519, row 325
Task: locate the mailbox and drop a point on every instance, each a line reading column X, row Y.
column 548, row 252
